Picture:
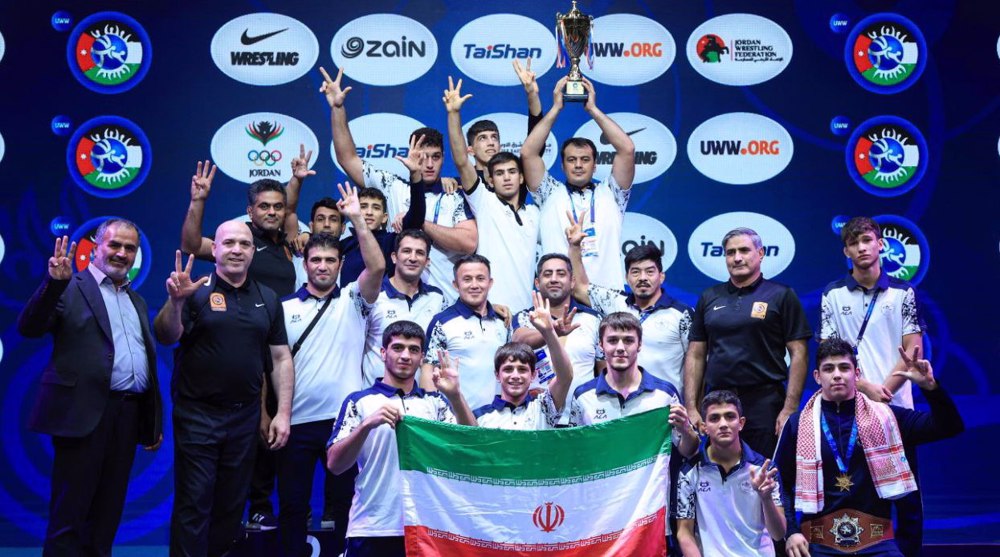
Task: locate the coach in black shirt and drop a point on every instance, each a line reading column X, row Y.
column 739, row 334
column 227, row 324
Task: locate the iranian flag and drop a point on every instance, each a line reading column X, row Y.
column 596, row 491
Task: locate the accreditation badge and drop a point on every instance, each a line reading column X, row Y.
column 759, row 310
column 217, row 301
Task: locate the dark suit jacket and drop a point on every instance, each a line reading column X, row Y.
column 76, row 383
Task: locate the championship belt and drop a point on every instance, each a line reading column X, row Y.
column 847, row 530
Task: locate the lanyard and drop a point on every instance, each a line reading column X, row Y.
column 593, row 196
column 437, row 208
column 864, row 324
column 841, row 462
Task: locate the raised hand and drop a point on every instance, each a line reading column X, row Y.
column 300, row 164
column 565, row 325
column 416, row 157
column 591, row 103
column 61, row 264
column 449, row 185
column 541, row 315
column 557, row 93
column 445, row 374
column 763, row 479
column 201, row 182
column 453, row 99
column 527, row 77
column 349, row 204
column 574, row 232
column 179, row 285
column 331, row 88
column 917, row 370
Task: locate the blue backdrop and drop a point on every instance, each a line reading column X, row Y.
column 110, row 104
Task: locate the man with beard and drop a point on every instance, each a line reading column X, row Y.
column 227, row 324
column 326, row 329
column 508, row 225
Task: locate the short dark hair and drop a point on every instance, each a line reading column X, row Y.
column 405, row 329
column 577, row 142
column 471, row 258
column 743, row 231
column 517, row 351
column 261, row 186
column 722, row 396
column 326, row 202
column 432, row 137
column 502, row 157
column 834, row 347
column 323, row 240
column 620, row 321
column 102, row 228
column 374, row 193
column 478, row 127
column 412, row 233
column 549, row 257
column 644, row 252
column 858, row 226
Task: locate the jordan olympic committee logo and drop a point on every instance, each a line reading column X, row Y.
column 905, row 252
column 739, row 49
column 109, row 156
column 887, row 156
column 885, row 53
column 261, row 145
column 86, row 242
column 109, row 52
column 264, row 49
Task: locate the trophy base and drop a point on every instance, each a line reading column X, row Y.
column 575, row 92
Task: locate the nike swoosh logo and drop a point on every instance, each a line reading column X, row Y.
column 717, row 307
column 605, row 141
column 248, row 40
column 259, row 305
column 262, row 248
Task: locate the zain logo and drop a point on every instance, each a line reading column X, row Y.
column 403, row 48
column 711, row 48
column 549, row 516
column 109, row 52
column 886, row 53
column 264, row 132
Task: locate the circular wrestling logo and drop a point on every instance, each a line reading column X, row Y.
column 885, row 53
column 905, row 251
column 109, row 156
column 86, row 242
column 109, row 52
column 887, row 156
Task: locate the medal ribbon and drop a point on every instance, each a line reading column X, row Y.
column 841, row 462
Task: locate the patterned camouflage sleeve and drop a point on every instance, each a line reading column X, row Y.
column 437, row 340
column 912, row 322
column 604, row 300
column 349, row 420
column 827, row 327
column 545, row 188
column 684, row 328
column 444, row 411
column 621, row 196
column 686, row 495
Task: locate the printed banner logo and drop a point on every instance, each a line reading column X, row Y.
column 484, row 48
column 885, row 53
column 380, row 138
column 630, row 50
column 655, row 146
column 109, row 156
column 384, row 49
column 264, row 49
column 109, row 52
column 740, row 148
column 708, row 255
column 639, row 230
column 512, row 127
column 905, row 252
column 887, row 156
column 86, row 242
column 739, row 49
column 261, row 145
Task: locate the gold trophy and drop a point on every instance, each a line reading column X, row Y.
column 573, row 33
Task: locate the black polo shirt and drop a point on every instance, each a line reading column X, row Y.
column 272, row 262
column 221, row 356
column 746, row 330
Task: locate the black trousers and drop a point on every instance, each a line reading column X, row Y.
column 391, row 546
column 89, row 481
column 296, row 466
column 761, row 406
column 213, row 461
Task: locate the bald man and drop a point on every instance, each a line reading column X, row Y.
column 225, row 323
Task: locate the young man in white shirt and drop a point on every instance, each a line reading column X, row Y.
column 727, row 493
column 365, row 434
column 517, row 407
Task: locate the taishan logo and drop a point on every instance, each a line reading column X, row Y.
column 108, row 156
column 109, row 52
column 549, row 516
column 484, row 48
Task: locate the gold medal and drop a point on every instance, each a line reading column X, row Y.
column 844, row 482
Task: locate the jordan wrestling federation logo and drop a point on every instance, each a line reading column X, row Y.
column 109, row 52
column 887, row 156
column 108, row 156
column 886, row 53
column 711, row 48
